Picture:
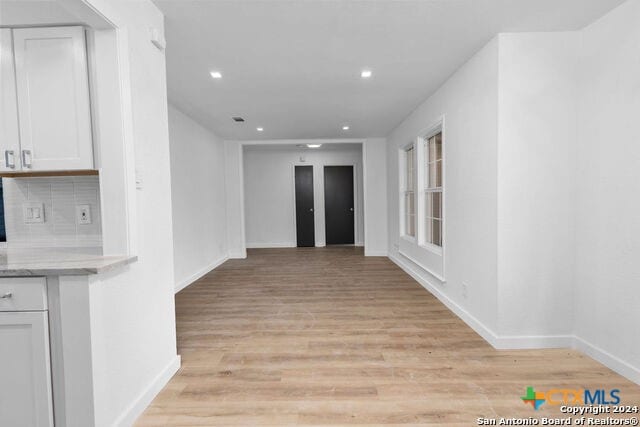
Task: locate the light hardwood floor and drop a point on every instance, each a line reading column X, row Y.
column 325, row 336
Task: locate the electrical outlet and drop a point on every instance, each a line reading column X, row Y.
column 83, row 214
column 464, row 290
column 33, row 213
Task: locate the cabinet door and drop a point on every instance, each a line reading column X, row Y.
column 9, row 140
column 25, row 376
column 53, row 98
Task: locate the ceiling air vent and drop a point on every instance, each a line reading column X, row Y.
column 238, row 119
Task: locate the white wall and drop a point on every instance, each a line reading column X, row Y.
column 132, row 315
column 569, row 234
column 375, row 196
column 234, row 177
column 269, row 191
column 540, row 180
column 468, row 100
column 198, row 198
column 607, row 276
column 19, row 13
column 536, row 151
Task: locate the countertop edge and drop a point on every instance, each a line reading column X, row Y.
column 109, row 263
column 126, row 260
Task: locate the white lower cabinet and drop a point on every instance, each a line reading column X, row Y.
column 25, row 367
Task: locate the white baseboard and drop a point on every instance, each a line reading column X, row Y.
column 374, row 253
column 522, row 341
column 609, row 360
column 497, row 341
column 198, row 274
column 271, row 245
column 237, row 255
column 469, row 319
column 136, row 409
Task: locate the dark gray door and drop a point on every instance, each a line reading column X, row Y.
column 338, row 204
column 305, row 225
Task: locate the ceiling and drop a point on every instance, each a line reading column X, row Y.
column 333, row 147
column 293, row 66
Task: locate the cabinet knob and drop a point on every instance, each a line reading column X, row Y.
column 7, row 295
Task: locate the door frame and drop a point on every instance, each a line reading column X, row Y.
column 234, row 153
column 356, row 208
column 317, row 215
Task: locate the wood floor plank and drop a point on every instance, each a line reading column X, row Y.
column 328, row 337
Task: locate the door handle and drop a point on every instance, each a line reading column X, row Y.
column 311, row 210
column 26, row 154
column 351, row 209
column 9, row 159
column 7, row 295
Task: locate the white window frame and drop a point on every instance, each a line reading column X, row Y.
column 423, row 171
column 403, row 191
column 429, row 257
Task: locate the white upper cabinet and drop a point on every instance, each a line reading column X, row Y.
column 52, row 89
column 9, row 137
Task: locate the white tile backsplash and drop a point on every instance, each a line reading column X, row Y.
column 60, row 196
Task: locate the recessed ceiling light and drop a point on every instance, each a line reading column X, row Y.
column 259, row 129
column 365, row 74
column 345, row 127
column 314, row 145
column 216, row 74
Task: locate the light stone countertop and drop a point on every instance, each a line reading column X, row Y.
column 21, row 262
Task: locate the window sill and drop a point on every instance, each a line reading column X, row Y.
column 409, row 239
column 427, row 269
column 432, row 248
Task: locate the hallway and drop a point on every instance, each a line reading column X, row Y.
column 325, row 336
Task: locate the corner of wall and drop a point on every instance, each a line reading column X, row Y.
column 144, row 399
column 234, row 196
column 375, row 196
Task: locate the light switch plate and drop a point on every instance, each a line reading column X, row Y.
column 83, row 214
column 33, row 213
column 158, row 39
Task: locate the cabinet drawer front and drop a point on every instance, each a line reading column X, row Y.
column 25, row 377
column 23, row 294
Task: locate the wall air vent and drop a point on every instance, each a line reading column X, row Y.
column 238, row 119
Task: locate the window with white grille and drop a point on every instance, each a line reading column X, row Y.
column 433, row 185
column 409, row 196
